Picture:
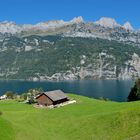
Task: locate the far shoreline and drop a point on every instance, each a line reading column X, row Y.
column 25, row 80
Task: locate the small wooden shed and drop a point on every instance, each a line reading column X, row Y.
column 51, row 98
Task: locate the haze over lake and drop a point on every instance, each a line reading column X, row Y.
column 116, row 90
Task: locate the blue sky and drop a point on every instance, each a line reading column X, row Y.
column 33, row 11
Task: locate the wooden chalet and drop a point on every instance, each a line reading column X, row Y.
column 51, row 98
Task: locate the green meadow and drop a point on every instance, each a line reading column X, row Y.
column 88, row 119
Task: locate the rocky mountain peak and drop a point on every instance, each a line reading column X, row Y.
column 128, row 26
column 9, row 27
column 107, row 22
column 77, row 19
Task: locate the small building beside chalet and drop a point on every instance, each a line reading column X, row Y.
column 51, row 98
column 3, row 97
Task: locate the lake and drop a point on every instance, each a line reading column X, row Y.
column 116, row 90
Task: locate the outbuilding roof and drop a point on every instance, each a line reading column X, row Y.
column 54, row 95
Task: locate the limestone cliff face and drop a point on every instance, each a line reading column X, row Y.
column 102, row 70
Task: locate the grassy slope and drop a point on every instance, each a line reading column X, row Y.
column 89, row 119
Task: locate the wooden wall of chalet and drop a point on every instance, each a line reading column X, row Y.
column 44, row 100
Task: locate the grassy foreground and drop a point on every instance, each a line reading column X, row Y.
column 89, row 119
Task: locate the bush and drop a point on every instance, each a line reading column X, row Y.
column 24, row 96
column 10, row 94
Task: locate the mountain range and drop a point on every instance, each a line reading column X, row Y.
column 12, row 27
column 69, row 50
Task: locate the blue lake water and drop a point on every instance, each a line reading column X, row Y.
column 116, row 90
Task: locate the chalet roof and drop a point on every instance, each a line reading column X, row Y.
column 55, row 95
